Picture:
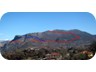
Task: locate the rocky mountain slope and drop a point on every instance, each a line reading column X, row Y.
column 55, row 38
column 50, row 40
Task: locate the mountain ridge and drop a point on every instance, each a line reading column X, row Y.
column 50, row 35
column 47, row 42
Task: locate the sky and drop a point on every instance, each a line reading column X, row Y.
column 20, row 23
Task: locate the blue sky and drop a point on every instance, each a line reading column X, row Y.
column 20, row 23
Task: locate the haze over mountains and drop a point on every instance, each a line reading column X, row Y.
column 2, row 42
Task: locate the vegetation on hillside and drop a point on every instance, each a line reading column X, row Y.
column 51, row 54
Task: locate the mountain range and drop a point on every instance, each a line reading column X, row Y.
column 52, row 39
column 54, row 44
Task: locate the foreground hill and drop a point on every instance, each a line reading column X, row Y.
column 38, row 45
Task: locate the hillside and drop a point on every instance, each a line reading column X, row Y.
column 48, row 42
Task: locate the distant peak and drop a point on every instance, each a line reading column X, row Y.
column 17, row 37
